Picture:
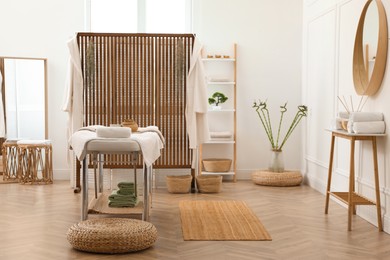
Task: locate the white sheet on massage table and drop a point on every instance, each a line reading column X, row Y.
column 149, row 143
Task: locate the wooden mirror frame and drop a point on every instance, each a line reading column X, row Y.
column 363, row 84
column 2, row 86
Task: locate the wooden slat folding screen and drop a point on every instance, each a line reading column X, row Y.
column 140, row 77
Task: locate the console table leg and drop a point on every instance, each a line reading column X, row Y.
column 329, row 174
column 351, row 205
column 378, row 197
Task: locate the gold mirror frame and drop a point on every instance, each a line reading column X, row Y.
column 365, row 85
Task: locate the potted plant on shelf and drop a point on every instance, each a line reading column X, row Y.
column 276, row 162
column 216, row 99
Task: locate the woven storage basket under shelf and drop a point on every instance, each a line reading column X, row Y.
column 178, row 183
column 217, row 165
column 209, row 183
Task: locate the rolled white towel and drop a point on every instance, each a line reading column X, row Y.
column 374, row 127
column 113, row 132
column 366, row 116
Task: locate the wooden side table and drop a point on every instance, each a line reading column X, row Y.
column 351, row 198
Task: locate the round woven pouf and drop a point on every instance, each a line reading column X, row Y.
column 279, row 179
column 112, row 235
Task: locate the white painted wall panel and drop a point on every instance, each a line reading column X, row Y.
column 320, row 83
column 345, row 18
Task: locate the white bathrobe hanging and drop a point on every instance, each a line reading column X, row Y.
column 73, row 96
column 2, row 115
column 196, row 109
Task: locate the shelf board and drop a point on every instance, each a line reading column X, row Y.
column 100, row 206
column 217, row 173
column 221, row 83
column 222, row 110
column 356, row 198
column 220, row 142
column 219, row 59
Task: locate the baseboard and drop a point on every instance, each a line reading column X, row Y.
column 61, row 175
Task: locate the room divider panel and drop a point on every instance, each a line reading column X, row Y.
column 140, row 77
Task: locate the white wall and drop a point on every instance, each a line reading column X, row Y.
column 269, row 61
column 41, row 28
column 329, row 32
column 269, row 43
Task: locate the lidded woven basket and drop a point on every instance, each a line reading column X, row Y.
column 178, row 183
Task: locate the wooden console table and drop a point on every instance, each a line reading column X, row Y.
column 351, row 198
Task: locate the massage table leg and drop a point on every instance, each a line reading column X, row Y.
column 146, row 192
column 94, row 161
column 84, row 203
column 100, row 173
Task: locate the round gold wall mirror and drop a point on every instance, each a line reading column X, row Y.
column 370, row 50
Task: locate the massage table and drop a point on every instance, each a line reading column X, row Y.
column 86, row 143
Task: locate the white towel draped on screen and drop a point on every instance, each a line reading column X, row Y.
column 73, row 96
column 2, row 121
column 196, row 109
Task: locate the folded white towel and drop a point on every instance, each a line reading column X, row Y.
column 375, row 127
column 113, row 132
column 335, row 124
column 366, row 116
column 222, row 134
column 344, row 115
column 32, row 142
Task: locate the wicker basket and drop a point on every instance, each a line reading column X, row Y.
column 178, row 183
column 217, row 165
column 209, row 183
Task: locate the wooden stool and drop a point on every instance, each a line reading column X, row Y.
column 35, row 161
column 10, row 160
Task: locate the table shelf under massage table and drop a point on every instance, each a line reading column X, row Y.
column 98, row 205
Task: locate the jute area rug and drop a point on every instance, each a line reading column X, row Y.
column 220, row 220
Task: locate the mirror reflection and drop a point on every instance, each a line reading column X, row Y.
column 370, row 37
column 24, row 96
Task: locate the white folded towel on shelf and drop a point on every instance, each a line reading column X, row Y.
column 113, row 132
column 335, row 124
column 344, row 115
column 222, row 134
column 366, row 116
column 373, row 127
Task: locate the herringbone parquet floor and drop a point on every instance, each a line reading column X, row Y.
column 34, row 220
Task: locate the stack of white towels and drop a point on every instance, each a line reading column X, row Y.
column 363, row 122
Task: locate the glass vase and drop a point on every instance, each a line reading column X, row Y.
column 276, row 162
